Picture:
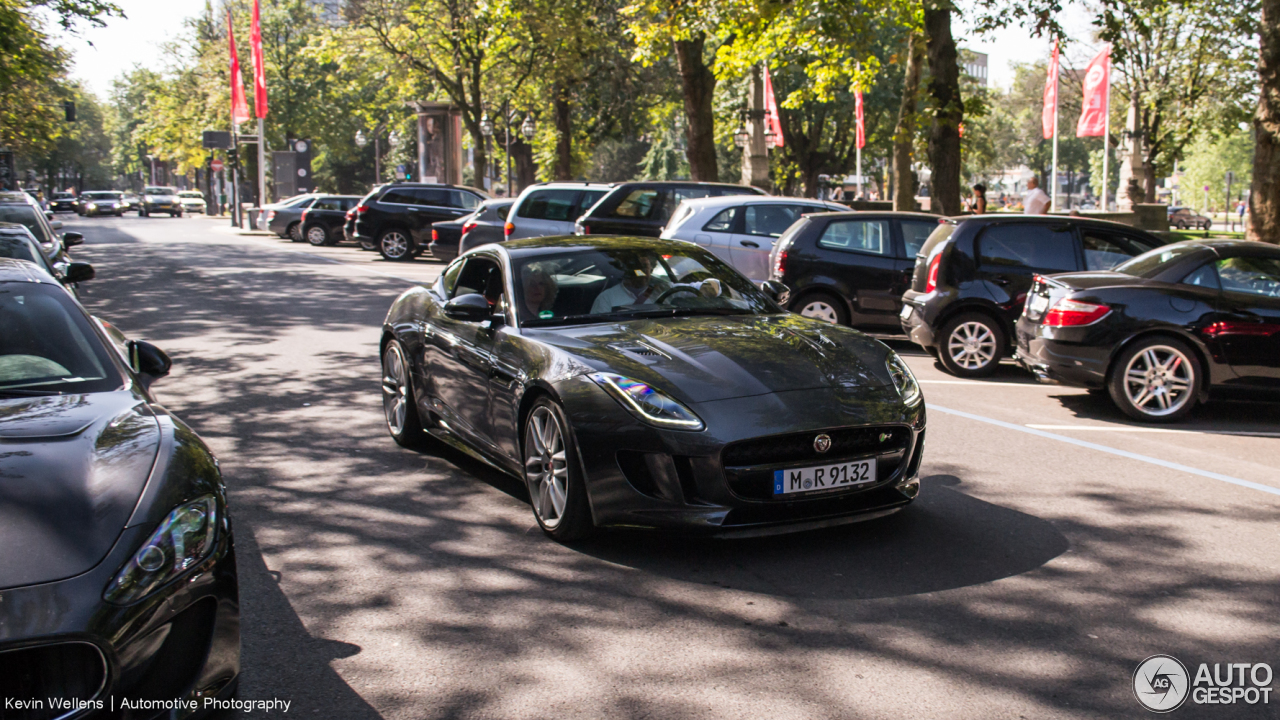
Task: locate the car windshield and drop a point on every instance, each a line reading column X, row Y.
column 25, row 215
column 159, row 191
column 1150, row 263
column 47, row 345
column 191, row 194
column 601, row 284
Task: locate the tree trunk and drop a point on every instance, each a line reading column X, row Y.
column 905, row 133
column 1149, row 181
column 564, row 133
column 944, row 136
column 699, row 85
column 1264, row 200
column 526, row 170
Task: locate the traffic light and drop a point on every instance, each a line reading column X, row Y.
column 70, row 109
column 233, row 159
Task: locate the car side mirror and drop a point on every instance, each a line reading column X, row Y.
column 48, row 214
column 79, row 272
column 56, row 224
column 72, row 238
column 472, row 307
column 148, row 360
column 776, row 291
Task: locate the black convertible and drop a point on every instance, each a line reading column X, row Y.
column 117, row 573
column 644, row 383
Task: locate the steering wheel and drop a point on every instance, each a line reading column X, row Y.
column 675, row 289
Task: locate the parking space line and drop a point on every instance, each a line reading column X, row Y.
column 1131, row 429
column 984, row 383
column 1114, row 451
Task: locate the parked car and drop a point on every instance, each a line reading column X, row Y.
column 131, row 201
column 851, row 268
column 119, row 572
column 322, row 219
column 741, row 229
column 62, row 202
column 396, row 218
column 192, row 201
column 549, row 209
column 17, row 243
column 638, row 382
column 1184, row 218
column 284, row 218
column 643, row 208
column 1162, row 330
column 450, row 238
column 972, row 276
column 18, row 207
column 100, row 202
column 160, row 199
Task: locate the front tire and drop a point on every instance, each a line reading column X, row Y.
column 552, row 471
column 972, row 345
column 316, row 235
column 822, row 306
column 396, row 245
column 398, row 401
column 1156, row 380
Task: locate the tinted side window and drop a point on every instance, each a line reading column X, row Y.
column 1252, row 275
column 589, row 198
column 771, row 220
column 915, row 233
column 398, row 196
column 481, row 275
column 347, row 203
column 1027, row 246
column 639, row 204
column 1205, row 276
column 1103, row 251
column 327, row 204
column 502, row 211
column 549, row 205
column 449, row 278
column 432, row 197
column 464, row 200
column 869, row 236
column 723, row 221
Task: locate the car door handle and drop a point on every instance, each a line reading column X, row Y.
column 748, row 243
column 1000, row 281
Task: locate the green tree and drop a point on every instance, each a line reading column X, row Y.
column 1208, row 160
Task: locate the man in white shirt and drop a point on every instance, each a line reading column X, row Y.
column 638, row 286
column 1035, row 202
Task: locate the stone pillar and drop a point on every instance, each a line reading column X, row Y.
column 1130, row 158
column 755, row 156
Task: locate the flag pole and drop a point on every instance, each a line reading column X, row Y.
column 1053, row 198
column 262, row 170
column 1106, row 140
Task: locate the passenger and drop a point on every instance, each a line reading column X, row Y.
column 637, row 287
column 540, row 290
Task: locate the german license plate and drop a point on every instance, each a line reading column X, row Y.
column 906, row 312
column 824, row 477
column 1039, row 303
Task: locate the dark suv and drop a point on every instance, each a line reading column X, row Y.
column 643, row 208
column 396, row 218
column 972, row 276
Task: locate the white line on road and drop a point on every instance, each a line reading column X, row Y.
column 1129, row 428
column 989, row 383
column 1114, row 451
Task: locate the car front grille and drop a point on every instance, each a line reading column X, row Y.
column 72, row 672
column 749, row 464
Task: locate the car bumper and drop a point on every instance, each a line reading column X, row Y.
column 641, row 476
column 914, row 324
column 183, row 642
column 1055, row 355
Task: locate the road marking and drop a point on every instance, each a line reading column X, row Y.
column 991, row 383
column 1130, row 428
column 1114, row 451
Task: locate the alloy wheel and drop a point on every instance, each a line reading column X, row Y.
column 316, row 235
column 820, row 310
column 1158, row 381
column 395, row 245
column 546, row 467
column 295, row 232
column 395, row 389
column 972, row 345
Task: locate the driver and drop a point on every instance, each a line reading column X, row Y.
column 539, row 290
column 638, row 286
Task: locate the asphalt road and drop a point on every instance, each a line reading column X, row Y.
column 1054, row 545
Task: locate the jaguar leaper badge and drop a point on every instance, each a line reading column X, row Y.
column 884, row 436
column 822, row 443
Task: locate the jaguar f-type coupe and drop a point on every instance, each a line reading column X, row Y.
column 632, row 382
column 118, row 589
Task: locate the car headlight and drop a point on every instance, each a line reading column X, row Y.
column 93, row 206
column 903, row 379
column 647, row 403
column 183, row 540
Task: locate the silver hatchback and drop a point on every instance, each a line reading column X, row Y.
column 551, row 208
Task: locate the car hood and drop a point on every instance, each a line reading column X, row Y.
column 700, row 359
column 72, row 468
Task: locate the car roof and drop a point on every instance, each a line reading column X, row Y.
column 991, row 218
column 717, row 200
column 567, row 185
column 557, row 243
column 9, row 197
column 24, row 271
column 904, row 214
column 17, row 228
column 1253, row 246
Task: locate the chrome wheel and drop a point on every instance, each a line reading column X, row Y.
column 395, row 389
column 295, row 232
column 545, row 466
column 316, row 235
column 972, row 345
column 395, row 245
column 1158, row 381
column 820, row 310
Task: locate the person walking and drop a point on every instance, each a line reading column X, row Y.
column 979, row 199
column 1035, row 202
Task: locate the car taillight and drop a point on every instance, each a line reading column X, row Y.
column 304, row 215
column 472, row 226
column 435, row 235
column 271, row 215
column 508, row 229
column 931, row 283
column 780, row 264
column 1073, row 313
column 360, row 209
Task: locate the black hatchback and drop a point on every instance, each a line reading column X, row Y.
column 972, row 276
column 850, row 268
column 643, row 208
column 396, row 218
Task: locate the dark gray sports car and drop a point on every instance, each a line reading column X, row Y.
column 644, row 383
column 117, row 569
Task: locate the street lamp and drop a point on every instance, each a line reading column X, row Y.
column 741, row 137
column 486, row 126
column 527, row 128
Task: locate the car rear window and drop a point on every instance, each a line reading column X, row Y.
column 915, row 233
column 1039, row 247
column 772, row 220
column 941, row 233
column 639, row 204
column 1150, row 263
column 868, row 236
column 464, row 200
column 550, row 205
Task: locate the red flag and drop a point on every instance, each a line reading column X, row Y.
column 771, row 122
column 259, row 66
column 1097, row 91
column 1047, row 116
column 239, row 108
column 861, row 134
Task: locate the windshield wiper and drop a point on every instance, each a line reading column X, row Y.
column 26, row 392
